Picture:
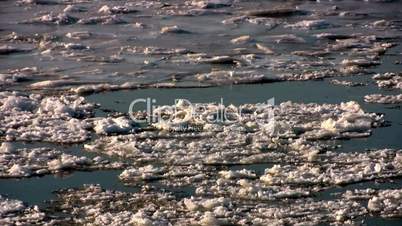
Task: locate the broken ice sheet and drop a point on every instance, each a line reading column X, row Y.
column 38, row 118
column 278, row 40
column 383, row 202
column 19, row 75
column 15, row 212
column 310, row 24
column 331, row 44
column 291, row 120
column 341, row 169
column 56, row 19
column 383, row 99
column 389, row 80
column 27, row 162
column 93, row 205
column 347, row 83
column 235, row 77
column 6, row 50
column 295, row 137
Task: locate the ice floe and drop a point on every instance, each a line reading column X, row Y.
column 189, row 147
column 116, row 10
column 383, row 99
column 107, row 19
column 58, row 19
column 79, row 35
column 264, row 48
column 15, row 212
column 24, row 162
column 362, row 51
column 18, row 75
column 94, row 205
column 219, row 164
column 113, row 125
column 75, row 9
column 37, row 118
column 346, row 83
column 310, row 24
column 172, row 29
column 388, row 80
column 241, row 40
column 212, row 4
column 91, row 204
column 224, row 77
column 7, row 49
column 386, row 203
column 356, row 167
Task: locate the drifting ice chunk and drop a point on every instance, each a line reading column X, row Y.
column 310, row 24
column 116, row 10
column 383, row 99
column 172, row 29
column 113, row 125
column 53, row 119
column 211, row 4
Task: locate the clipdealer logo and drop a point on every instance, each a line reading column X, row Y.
column 183, row 110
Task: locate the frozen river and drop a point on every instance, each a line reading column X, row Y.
column 332, row 153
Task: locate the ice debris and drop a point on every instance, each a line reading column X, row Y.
column 15, row 212
column 388, row 80
column 113, row 125
column 94, row 205
column 287, row 120
column 58, row 19
column 116, row 10
column 172, row 29
column 347, row 83
column 24, row 162
column 38, row 118
column 383, row 99
column 212, row 4
column 386, row 203
column 7, row 49
column 310, row 24
column 107, row 19
column 341, row 169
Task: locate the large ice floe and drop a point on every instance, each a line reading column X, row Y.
column 383, row 99
column 336, row 168
column 189, row 145
column 236, row 56
column 18, row 75
column 310, row 24
column 39, row 118
column 294, row 148
column 92, row 205
column 387, row 81
column 57, row 19
column 24, row 162
column 96, row 206
column 15, row 212
column 387, row 202
column 113, row 125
